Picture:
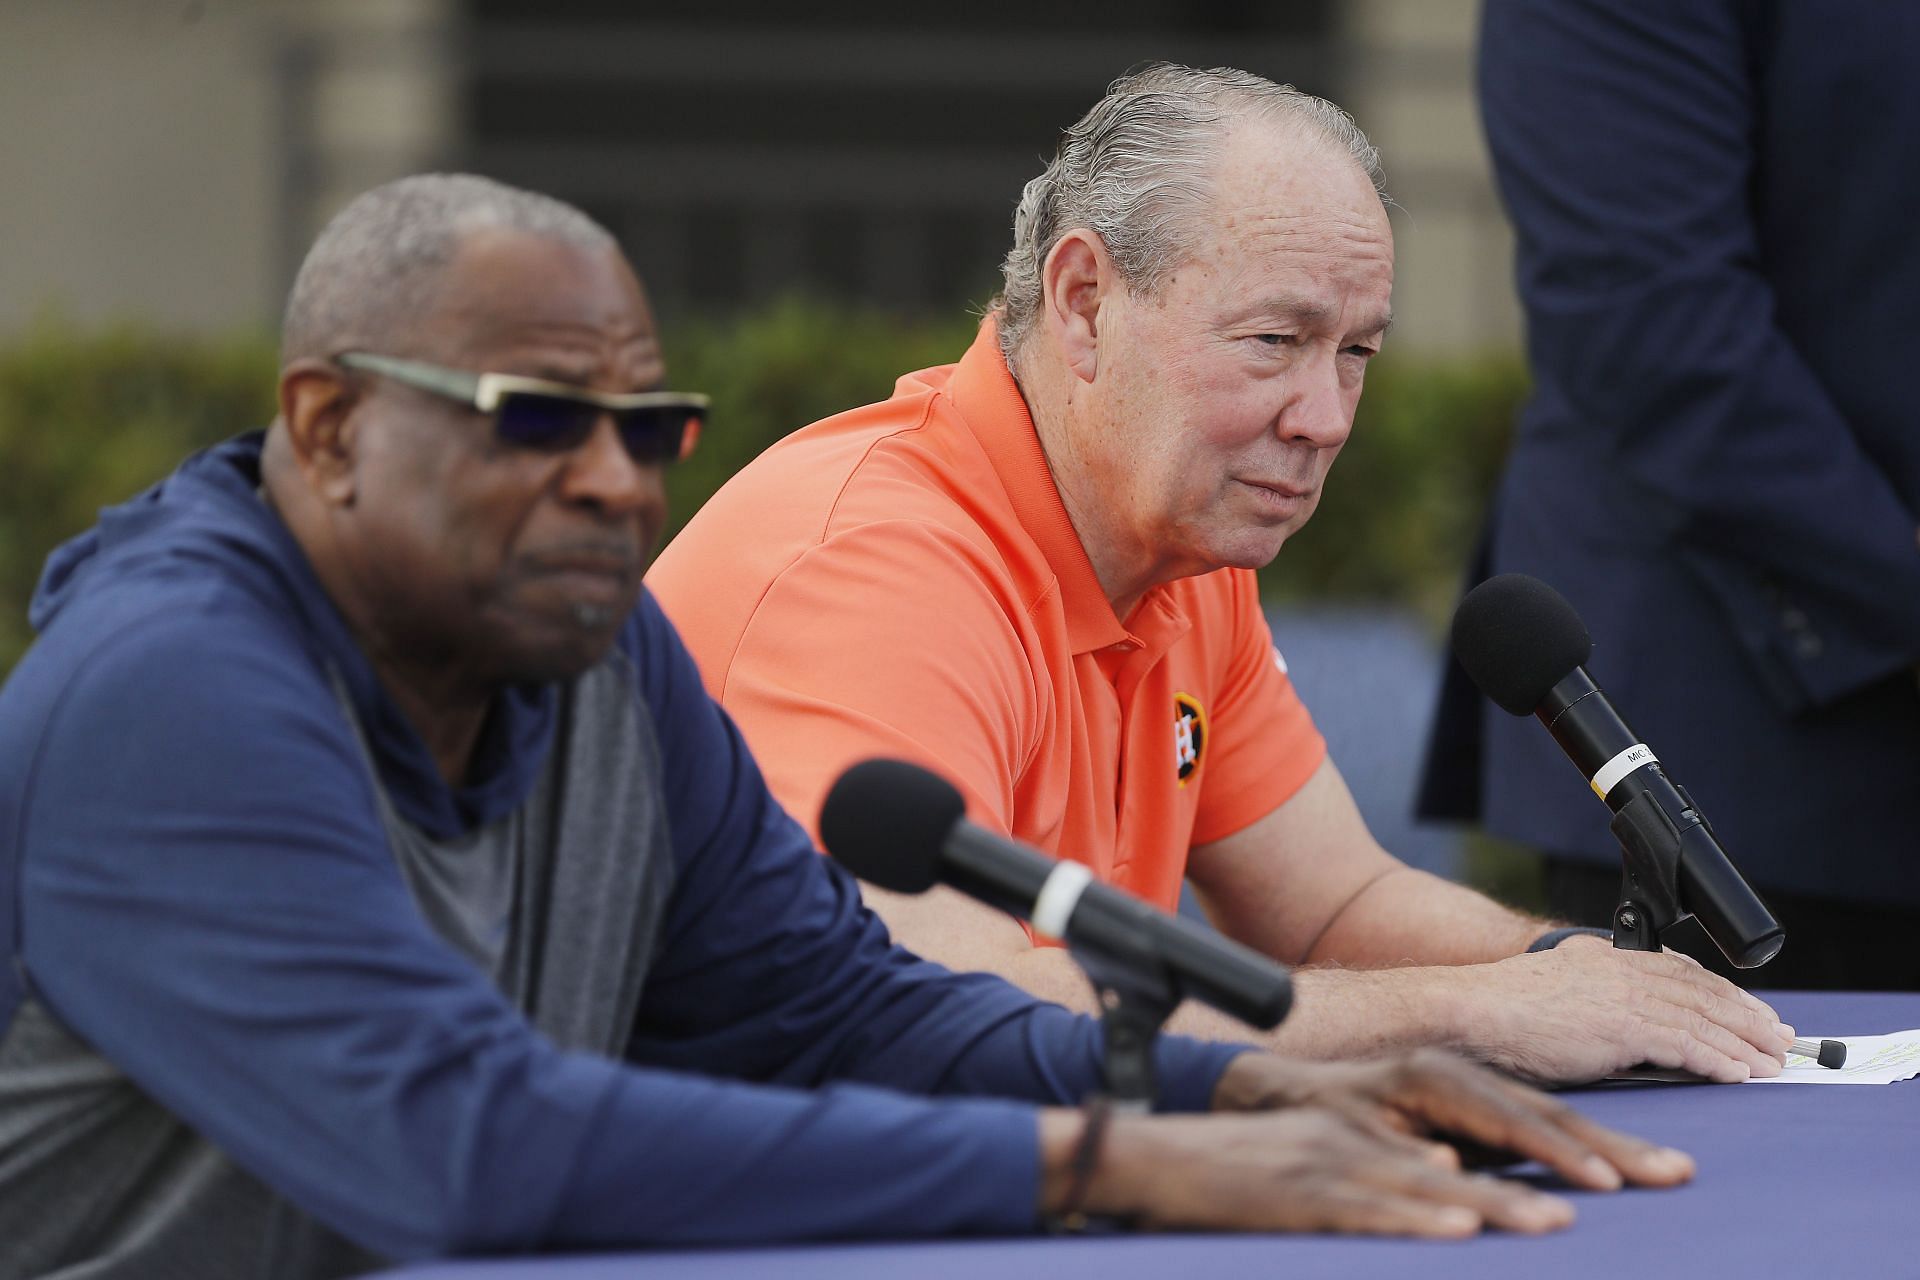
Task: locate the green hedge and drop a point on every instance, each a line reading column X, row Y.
column 89, row 417
column 1403, row 507
column 771, row 371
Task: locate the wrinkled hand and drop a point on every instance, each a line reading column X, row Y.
column 1429, row 1094
column 1584, row 1009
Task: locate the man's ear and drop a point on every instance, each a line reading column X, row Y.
column 316, row 404
column 1076, row 277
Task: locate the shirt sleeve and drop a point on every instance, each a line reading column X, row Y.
column 1623, row 137
column 1265, row 745
column 207, row 898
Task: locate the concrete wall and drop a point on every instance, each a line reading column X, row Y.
column 1413, row 92
column 145, row 147
column 168, row 160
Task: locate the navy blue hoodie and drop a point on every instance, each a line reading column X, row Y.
column 194, row 881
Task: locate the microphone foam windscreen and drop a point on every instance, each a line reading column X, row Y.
column 886, row 821
column 1518, row 637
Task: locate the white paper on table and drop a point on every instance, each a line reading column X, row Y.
column 1870, row 1060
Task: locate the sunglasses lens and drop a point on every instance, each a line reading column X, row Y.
column 653, row 435
column 659, row 434
column 536, row 421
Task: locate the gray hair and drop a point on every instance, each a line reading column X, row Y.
column 1137, row 167
column 376, row 265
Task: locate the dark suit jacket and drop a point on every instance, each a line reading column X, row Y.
column 1718, row 212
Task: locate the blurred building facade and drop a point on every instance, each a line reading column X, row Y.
column 168, row 160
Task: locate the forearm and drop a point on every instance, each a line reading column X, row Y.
column 1412, row 917
column 1354, row 1013
column 1383, row 975
column 1398, row 968
column 1053, row 974
column 1565, row 1016
column 1307, row 884
column 1336, row 1013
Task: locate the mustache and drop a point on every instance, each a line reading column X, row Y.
column 597, row 555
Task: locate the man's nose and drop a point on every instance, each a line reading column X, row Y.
column 1320, row 410
column 602, row 473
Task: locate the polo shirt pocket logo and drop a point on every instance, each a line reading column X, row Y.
column 1189, row 734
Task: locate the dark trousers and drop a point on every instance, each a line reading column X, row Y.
column 1831, row 945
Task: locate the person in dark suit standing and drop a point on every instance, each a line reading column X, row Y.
column 1720, row 463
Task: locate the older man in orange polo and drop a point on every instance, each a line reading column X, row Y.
column 1033, row 571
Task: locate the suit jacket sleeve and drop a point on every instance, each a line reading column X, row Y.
column 1624, row 137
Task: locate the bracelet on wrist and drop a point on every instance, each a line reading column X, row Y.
column 1071, row 1216
column 1554, row 937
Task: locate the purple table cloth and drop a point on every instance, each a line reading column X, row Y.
column 1793, row 1180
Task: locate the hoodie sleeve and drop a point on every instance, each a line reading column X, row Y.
column 207, row 899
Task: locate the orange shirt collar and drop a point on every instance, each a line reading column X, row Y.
column 990, row 403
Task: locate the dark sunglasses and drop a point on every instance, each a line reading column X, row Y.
column 656, row 427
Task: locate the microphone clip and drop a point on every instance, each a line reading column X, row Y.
column 1137, row 995
column 1650, row 874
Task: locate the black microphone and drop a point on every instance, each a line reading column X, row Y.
column 904, row 828
column 1527, row 649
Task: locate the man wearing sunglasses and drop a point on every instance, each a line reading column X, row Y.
column 1032, row 571
column 377, row 879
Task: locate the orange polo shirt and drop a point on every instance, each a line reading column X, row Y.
column 902, row 580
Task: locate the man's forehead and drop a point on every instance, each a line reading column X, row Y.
column 508, row 293
column 1294, row 154
column 602, row 359
column 494, row 328
column 511, row 273
column 1274, row 180
column 1316, row 271
column 1298, row 232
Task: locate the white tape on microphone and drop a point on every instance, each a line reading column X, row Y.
column 1053, row 905
column 1620, row 766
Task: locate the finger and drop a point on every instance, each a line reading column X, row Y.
column 1676, row 1037
column 1689, row 984
column 1511, row 1206
column 1714, row 997
column 1390, row 1128
column 1681, row 1001
column 1457, row 1097
column 1611, row 1155
column 1367, row 1211
column 1327, row 1173
column 1740, row 995
column 1760, row 1007
column 1642, row 1163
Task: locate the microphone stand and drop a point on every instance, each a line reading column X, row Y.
column 1137, row 994
column 1650, row 873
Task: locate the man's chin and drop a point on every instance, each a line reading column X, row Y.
column 1251, row 553
column 564, row 648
